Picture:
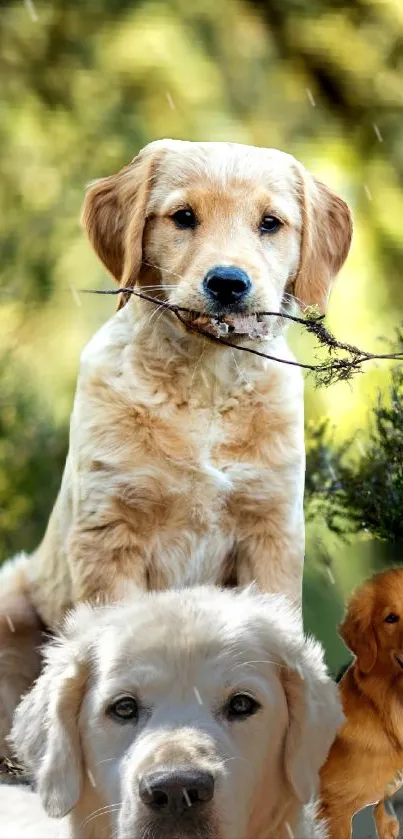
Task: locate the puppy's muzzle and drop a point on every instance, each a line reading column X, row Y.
column 174, row 792
column 227, row 285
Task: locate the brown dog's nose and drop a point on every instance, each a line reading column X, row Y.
column 174, row 791
column 227, row 285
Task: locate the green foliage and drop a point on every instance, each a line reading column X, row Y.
column 32, row 454
column 357, row 487
column 351, row 58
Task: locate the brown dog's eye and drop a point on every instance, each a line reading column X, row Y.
column 240, row 706
column 269, row 224
column 391, row 618
column 124, row 709
column 184, row 219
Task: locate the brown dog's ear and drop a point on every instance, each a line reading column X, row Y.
column 325, row 242
column 315, row 714
column 45, row 734
column 357, row 630
column 114, row 215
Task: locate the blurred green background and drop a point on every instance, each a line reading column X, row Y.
column 84, row 86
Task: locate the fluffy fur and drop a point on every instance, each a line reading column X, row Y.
column 182, row 655
column 366, row 760
column 186, row 461
column 23, row 817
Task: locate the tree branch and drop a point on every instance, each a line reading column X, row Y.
column 325, row 373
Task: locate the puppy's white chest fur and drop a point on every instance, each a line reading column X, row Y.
column 184, row 463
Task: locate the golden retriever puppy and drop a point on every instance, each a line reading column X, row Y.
column 186, row 461
column 195, row 713
column 365, row 762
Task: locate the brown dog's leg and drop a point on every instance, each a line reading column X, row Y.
column 338, row 826
column 20, row 637
column 338, row 806
column 387, row 826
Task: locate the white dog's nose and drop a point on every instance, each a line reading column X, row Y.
column 174, row 791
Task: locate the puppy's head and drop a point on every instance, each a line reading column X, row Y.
column 219, row 228
column 201, row 712
column 373, row 624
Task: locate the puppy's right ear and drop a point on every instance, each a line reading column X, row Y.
column 114, row 215
column 357, row 629
column 45, row 733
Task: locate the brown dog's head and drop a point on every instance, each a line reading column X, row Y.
column 219, row 228
column 373, row 625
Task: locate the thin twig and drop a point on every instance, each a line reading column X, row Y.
column 327, row 372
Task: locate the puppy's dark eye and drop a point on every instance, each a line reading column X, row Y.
column 269, row 224
column 240, row 706
column 123, row 709
column 391, row 618
column 184, row 219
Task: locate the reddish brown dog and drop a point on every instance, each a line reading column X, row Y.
column 365, row 762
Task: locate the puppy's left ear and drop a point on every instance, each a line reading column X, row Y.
column 325, row 241
column 315, row 714
column 45, row 732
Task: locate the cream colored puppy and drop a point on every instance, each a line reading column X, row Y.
column 196, row 713
column 186, row 461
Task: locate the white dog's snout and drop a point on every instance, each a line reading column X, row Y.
column 176, row 789
column 182, row 750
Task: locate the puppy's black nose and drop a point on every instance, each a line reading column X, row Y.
column 227, row 284
column 175, row 791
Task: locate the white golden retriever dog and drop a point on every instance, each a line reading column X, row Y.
column 197, row 713
column 186, row 462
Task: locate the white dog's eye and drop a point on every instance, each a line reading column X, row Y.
column 124, row 709
column 240, row 706
column 269, row 224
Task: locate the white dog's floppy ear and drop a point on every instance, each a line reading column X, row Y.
column 114, row 215
column 45, row 733
column 315, row 714
column 326, row 238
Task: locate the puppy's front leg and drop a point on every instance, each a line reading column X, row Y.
column 104, row 562
column 338, row 824
column 109, row 539
column 272, row 552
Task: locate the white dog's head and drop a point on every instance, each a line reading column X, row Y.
column 200, row 713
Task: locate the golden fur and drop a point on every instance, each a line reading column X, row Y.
column 181, row 656
column 365, row 762
column 186, row 461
